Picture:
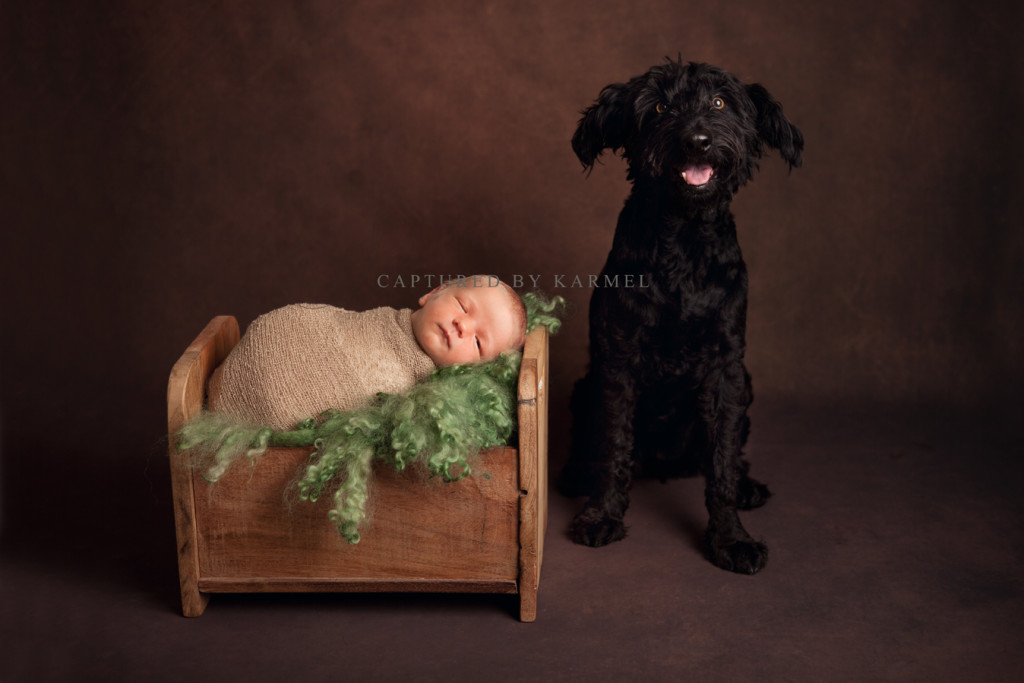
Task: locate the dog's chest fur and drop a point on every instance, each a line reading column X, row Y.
column 697, row 293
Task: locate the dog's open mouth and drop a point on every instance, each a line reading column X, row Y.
column 696, row 175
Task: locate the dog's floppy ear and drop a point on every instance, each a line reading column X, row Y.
column 774, row 128
column 606, row 124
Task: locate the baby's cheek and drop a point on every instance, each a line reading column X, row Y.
column 465, row 355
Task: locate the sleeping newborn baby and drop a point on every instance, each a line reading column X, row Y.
column 297, row 361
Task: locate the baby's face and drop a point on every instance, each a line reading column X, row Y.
column 465, row 323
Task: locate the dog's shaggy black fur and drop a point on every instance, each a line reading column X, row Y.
column 666, row 393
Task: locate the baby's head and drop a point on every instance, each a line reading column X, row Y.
column 469, row 320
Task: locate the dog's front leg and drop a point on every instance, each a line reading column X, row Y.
column 728, row 544
column 601, row 520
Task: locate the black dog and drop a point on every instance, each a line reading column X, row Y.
column 666, row 393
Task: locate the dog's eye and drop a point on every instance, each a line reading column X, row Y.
column 660, row 107
column 718, row 103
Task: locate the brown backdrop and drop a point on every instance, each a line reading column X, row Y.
column 160, row 165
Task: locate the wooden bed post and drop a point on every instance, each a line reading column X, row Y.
column 533, row 469
column 185, row 394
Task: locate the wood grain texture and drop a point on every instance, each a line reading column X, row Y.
column 251, row 524
column 249, row 532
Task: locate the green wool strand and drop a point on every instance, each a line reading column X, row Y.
column 542, row 311
column 443, row 423
column 351, row 497
column 221, row 441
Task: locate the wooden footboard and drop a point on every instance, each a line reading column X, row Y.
column 248, row 533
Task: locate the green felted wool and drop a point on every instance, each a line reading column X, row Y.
column 542, row 311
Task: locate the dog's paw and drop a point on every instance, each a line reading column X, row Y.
column 750, row 494
column 593, row 528
column 740, row 556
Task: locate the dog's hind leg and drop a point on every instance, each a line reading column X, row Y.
column 727, row 543
column 611, row 425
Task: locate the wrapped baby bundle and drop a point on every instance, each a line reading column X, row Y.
column 297, row 361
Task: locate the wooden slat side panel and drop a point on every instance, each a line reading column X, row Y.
column 251, row 526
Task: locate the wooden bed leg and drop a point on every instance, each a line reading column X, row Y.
column 527, row 604
column 193, row 603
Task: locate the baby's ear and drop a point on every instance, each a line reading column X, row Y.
column 425, row 297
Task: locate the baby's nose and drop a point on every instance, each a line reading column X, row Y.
column 463, row 326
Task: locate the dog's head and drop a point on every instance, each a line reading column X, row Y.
column 692, row 124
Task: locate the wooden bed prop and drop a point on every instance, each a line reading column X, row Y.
column 482, row 534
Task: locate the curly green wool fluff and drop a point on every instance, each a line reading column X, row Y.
column 542, row 311
column 443, row 423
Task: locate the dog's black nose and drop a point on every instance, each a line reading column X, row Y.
column 699, row 143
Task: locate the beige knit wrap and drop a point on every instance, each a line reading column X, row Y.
column 297, row 361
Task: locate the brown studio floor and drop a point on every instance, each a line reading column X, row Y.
column 896, row 547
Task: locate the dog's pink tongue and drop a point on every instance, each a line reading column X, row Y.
column 697, row 174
